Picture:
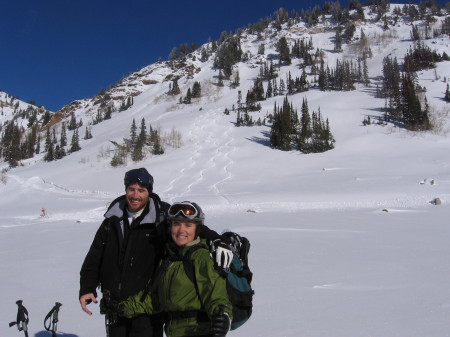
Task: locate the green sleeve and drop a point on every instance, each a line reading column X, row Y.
column 133, row 305
column 212, row 288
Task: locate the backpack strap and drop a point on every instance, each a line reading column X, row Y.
column 188, row 268
column 188, row 265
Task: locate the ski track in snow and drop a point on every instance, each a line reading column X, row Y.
column 349, row 287
column 289, row 229
column 198, row 172
column 39, row 183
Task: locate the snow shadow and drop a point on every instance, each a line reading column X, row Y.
column 49, row 334
column 263, row 141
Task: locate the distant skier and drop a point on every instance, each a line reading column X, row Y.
column 43, row 212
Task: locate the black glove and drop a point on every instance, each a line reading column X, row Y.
column 220, row 323
column 111, row 307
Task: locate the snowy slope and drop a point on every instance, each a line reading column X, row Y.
column 345, row 243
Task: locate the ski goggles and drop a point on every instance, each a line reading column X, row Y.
column 185, row 209
column 140, row 176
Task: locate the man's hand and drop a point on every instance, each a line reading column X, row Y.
column 85, row 300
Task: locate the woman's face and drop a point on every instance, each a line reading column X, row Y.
column 183, row 231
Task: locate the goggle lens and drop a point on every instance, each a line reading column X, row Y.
column 188, row 210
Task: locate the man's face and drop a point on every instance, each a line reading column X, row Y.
column 137, row 197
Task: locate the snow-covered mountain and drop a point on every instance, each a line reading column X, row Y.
column 349, row 242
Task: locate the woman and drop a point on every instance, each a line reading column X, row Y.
column 195, row 305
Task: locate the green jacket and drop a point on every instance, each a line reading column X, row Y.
column 177, row 293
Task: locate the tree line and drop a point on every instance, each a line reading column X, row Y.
column 141, row 143
column 309, row 134
column 401, row 89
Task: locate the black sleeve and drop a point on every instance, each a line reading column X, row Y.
column 90, row 270
column 206, row 233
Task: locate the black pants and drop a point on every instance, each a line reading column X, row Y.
column 139, row 326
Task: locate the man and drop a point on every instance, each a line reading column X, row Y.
column 126, row 250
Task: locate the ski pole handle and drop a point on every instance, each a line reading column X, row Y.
column 56, row 311
column 22, row 318
column 53, row 313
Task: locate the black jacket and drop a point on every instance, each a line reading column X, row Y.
column 125, row 265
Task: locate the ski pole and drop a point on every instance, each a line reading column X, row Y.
column 22, row 318
column 54, row 322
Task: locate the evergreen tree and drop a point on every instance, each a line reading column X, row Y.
column 133, row 133
column 282, row 88
column 38, row 144
column 238, row 119
column 349, row 31
column 281, row 131
column 72, row 123
column 87, row 134
column 50, row 155
column 420, row 58
column 175, row 89
column 283, row 51
column 75, row 143
column 59, row 152
column 54, row 141
column 11, row 144
column 63, row 137
column 32, row 119
column 236, row 79
column 48, row 140
column 108, row 113
column 269, row 91
column 173, row 54
column 305, row 132
column 220, row 78
column 46, row 118
column 365, row 71
column 30, row 142
column 152, row 135
column 261, row 49
column 338, row 40
column 138, row 150
column 196, row 90
column 228, row 53
column 204, row 55
column 117, row 160
column 188, row 98
column 157, row 148
column 142, row 132
column 184, row 50
column 414, row 117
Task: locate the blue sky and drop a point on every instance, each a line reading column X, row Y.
column 57, row 51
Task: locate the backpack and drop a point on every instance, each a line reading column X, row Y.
column 239, row 277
